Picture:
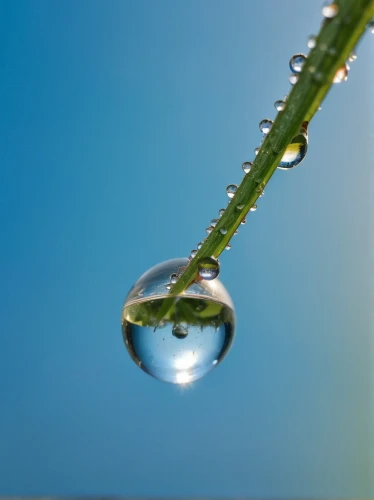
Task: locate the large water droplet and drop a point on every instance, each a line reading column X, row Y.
column 265, row 125
column 330, row 10
column 197, row 327
column 293, row 78
column 297, row 62
column 342, row 74
column 312, row 42
column 231, row 190
column 296, row 150
column 279, row 105
column 208, row 268
column 247, row 165
column 243, row 221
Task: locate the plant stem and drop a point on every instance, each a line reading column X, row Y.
column 337, row 39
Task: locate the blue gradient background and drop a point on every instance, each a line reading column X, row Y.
column 121, row 123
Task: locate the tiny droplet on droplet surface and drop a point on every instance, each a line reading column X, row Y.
column 209, row 230
column 312, row 42
column 296, row 150
column 173, row 278
column 257, row 151
column 297, row 62
column 228, row 246
column 293, row 78
column 193, row 253
column 223, row 230
column 213, row 222
column 342, row 74
column 279, row 105
column 231, row 190
column 253, row 208
column 221, row 212
column 330, row 10
column 179, row 331
column 247, row 165
column 265, row 125
column 208, row 268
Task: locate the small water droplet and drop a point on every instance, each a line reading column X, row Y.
column 293, row 78
column 257, row 151
column 213, row 222
column 223, row 230
column 228, row 246
column 209, row 230
column 208, row 268
column 370, row 26
column 240, row 207
column 173, row 278
column 168, row 286
column 221, row 212
column 265, row 125
column 253, row 208
column 236, row 232
column 262, row 193
column 330, row 10
column 247, row 165
column 243, row 221
column 199, row 245
column 179, row 331
column 297, row 62
column 352, row 57
column 279, row 105
column 231, row 190
column 296, row 150
column 342, row 74
column 312, row 42
column 193, row 253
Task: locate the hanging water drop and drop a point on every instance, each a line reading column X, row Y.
column 179, row 331
column 330, row 10
column 228, row 246
column 193, row 253
column 221, row 212
column 297, row 62
column 213, row 222
column 231, row 190
column 243, row 221
column 296, row 150
column 342, row 74
column 209, row 230
column 293, row 78
column 199, row 245
column 208, row 268
column 246, row 167
column 253, row 208
column 279, row 105
column 312, row 42
column 265, row 126
column 257, row 150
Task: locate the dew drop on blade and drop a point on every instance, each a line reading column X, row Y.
column 312, row 42
column 293, row 78
column 279, row 105
column 173, row 278
column 221, row 212
column 352, row 57
column 296, row 150
column 213, row 222
column 209, row 230
column 193, row 253
column 297, row 62
column 228, row 246
column 265, row 125
column 330, row 10
column 231, row 190
column 223, row 230
column 342, row 74
column 208, row 268
column 199, row 245
column 246, row 167
column 253, row 208
column 243, row 221
column 370, row 26
column 257, row 150
column 194, row 329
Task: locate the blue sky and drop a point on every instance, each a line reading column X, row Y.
column 121, row 123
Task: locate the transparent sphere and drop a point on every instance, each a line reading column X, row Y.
column 177, row 339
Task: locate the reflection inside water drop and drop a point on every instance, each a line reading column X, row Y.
column 192, row 336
